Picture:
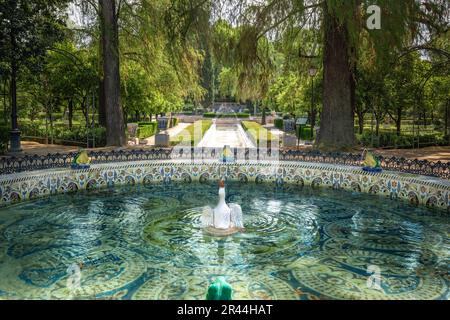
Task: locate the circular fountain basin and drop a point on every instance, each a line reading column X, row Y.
column 147, row 242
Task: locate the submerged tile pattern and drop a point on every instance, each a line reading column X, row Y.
column 146, row 242
column 429, row 191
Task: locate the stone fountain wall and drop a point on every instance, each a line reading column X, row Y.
column 417, row 189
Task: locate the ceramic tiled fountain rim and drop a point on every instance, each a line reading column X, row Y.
column 417, row 189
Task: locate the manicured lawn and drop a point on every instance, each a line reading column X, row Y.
column 187, row 136
column 260, row 135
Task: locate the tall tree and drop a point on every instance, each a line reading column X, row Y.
column 336, row 126
column 115, row 126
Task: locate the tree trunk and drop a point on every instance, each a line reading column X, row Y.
column 361, row 122
column 101, row 87
column 313, row 122
column 337, row 119
column 115, row 127
column 377, row 126
column 50, row 119
column 70, row 113
column 101, row 104
column 14, row 124
column 46, row 129
column 5, row 108
column 15, row 145
column 447, row 120
column 398, row 121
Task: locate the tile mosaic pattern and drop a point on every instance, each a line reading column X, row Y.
column 417, row 189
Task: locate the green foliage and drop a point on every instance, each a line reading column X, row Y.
column 304, row 133
column 142, row 92
column 28, row 29
column 61, row 135
column 152, row 38
column 4, row 138
column 80, row 134
column 146, row 129
column 228, row 82
column 209, row 115
column 278, row 123
column 392, row 140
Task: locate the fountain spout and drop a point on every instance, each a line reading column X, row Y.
column 224, row 219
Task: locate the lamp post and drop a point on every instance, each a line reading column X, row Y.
column 15, row 145
column 312, row 73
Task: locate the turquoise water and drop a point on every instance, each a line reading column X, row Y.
column 145, row 242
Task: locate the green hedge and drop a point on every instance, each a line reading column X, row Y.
column 63, row 135
column 391, row 139
column 278, row 123
column 187, row 135
column 80, row 135
column 256, row 131
column 305, row 134
column 240, row 115
column 146, row 129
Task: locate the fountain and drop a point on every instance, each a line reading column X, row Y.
column 224, row 219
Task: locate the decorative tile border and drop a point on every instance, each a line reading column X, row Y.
column 417, row 189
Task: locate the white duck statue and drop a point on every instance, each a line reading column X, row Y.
column 223, row 219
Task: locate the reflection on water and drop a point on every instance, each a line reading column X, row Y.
column 146, row 242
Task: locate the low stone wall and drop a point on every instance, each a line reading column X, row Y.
column 417, row 189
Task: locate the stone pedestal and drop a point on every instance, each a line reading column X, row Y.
column 162, row 140
column 289, row 141
column 15, row 145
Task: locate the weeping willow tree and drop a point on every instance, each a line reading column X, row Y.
column 335, row 28
column 172, row 58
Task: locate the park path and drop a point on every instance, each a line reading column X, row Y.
column 428, row 153
column 220, row 135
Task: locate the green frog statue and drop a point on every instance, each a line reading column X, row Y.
column 370, row 162
column 220, row 289
column 227, row 155
column 81, row 160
